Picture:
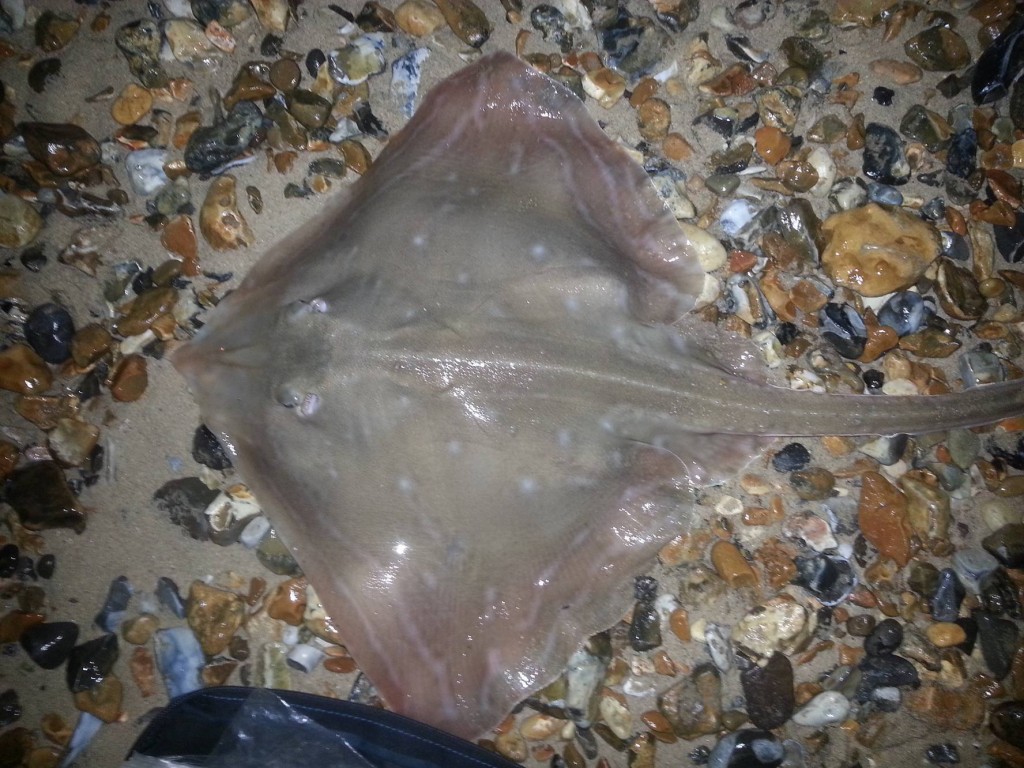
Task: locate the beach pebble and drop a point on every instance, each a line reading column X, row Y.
column 896, row 71
column 1007, row 545
column 362, row 58
column 747, row 748
column 272, row 14
column 214, row 615
column 769, row 692
column 49, row 644
column 140, row 43
column 64, row 148
column 130, row 379
column 19, row 222
column 885, row 158
column 791, row 457
column 102, row 700
column 179, row 659
column 998, row 639
column 210, row 147
column 146, row 170
column 693, row 706
column 220, row 221
column 826, row 708
column 418, row 18
column 829, row 578
column 48, row 330
column 111, row 615
column 39, row 494
column 948, row 595
column 53, row 30
column 138, row 630
column 778, row 625
column 732, row 566
column 10, row 707
column 287, row 601
column 885, row 671
column 23, row 371
column 72, row 441
column 938, row 50
column 1008, row 722
column 90, row 662
column 875, row 251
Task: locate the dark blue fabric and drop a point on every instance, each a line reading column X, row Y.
column 193, row 725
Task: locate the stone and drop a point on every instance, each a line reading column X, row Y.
column 19, row 221
column 220, row 221
column 144, row 310
column 1007, row 722
column 188, row 42
column 885, row 158
column 883, row 519
column 945, row 634
column 998, row 638
column 813, row 483
column 130, row 379
column 179, row 237
column 778, row 625
column 64, row 148
column 884, row 638
column 732, row 566
column 72, row 441
column 928, row 509
column 132, row 104
column 947, row 709
column 693, row 706
column 874, row 251
column 896, row 71
column 138, row 630
column 214, row 616
column 769, row 692
column 102, row 700
column 90, row 662
column 938, row 49
column 826, row 708
column 418, row 18
column 23, row 371
column 1007, row 545
column 48, row 644
column 287, row 601
column 947, row 597
column 39, row 494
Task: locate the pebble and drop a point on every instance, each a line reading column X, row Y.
column 90, row 662
column 49, row 644
column 829, row 578
column 778, row 625
column 48, row 330
column 882, row 516
column 55, row 30
column 211, row 147
column 179, row 659
column 896, row 71
column 145, row 169
column 19, row 222
column 875, row 251
column 1008, row 722
column 747, row 748
column 884, row 638
column 112, row 613
column 130, row 379
column 138, row 630
column 39, row 494
column 362, row 58
column 826, row 708
column 693, row 706
column 769, row 692
column 732, row 566
column 791, row 457
column 945, row 634
column 214, row 615
column 220, row 221
column 102, row 700
column 947, row 597
column 885, row 158
column 10, row 707
column 132, row 104
column 64, row 148
column 998, row 638
column 418, row 18
column 1007, row 545
column 719, row 647
column 72, row 441
column 938, row 49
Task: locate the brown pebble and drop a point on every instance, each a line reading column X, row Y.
column 179, row 237
column 676, row 148
column 962, row 710
column 287, row 601
column 882, row 514
column 102, row 700
column 342, row 665
column 45, row 411
column 142, row 311
column 896, row 71
column 133, row 104
column 679, row 623
column 797, row 175
column 945, row 634
column 466, row 20
column 217, row 671
column 143, row 671
column 214, row 616
column 418, row 18
column 653, row 118
column 23, row 371
column 139, row 629
column 771, row 144
column 357, row 157
column 89, row 344
column 285, row 75
column 64, row 148
column 130, row 379
column 644, row 90
column 220, row 221
column 732, row 566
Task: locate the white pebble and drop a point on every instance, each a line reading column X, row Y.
column 827, row 708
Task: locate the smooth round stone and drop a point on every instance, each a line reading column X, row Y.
column 831, row 579
column 945, row 634
column 308, row 108
column 45, row 566
column 49, row 644
column 48, row 330
column 1007, row 545
column 885, row 158
column 964, row 446
column 64, row 148
column 813, row 483
column 769, row 692
column 827, row 708
column 942, row 754
column 791, row 457
column 146, row 170
column 285, row 75
column 998, row 638
column 19, row 222
column 938, row 50
column 887, row 671
column 1007, row 722
column 747, row 748
column 884, row 194
column 722, row 184
column 844, row 329
column 860, row 624
column 885, row 638
column 948, row 595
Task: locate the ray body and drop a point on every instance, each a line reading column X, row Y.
column 462, row 395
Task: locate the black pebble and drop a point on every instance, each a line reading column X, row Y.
column 786, row 332
column 26, row 570
column 45, row 566
column 791, row 458
column 962, row 155
column 33, row 259
column 9, row 554
column 970, row 628
column 748, row 748
column 873, row 379
column 999, row 595
column 645, row 628
column 184, row 501
column 844, row 329
column 998, row 638
column 49, row 644
column 885, row 671
column 831, row 579
column 885, row 158
column 48, row 330
column 1006, row 544
column 90, row 662
column 112, row 613
column 10, row 707
column 314, row 60
column 949, row 593
column 883, row 95
column 884, row 638
column 169, row 596
column 207, row 450
column 1008, row 722
column 942, row 754
column 271, row 46
column 769, row 692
